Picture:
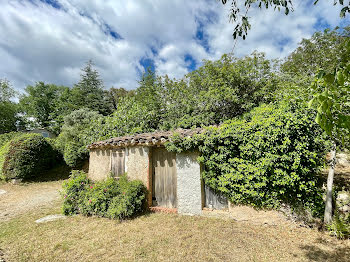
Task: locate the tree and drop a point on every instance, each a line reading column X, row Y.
column 90, row 93
column 137, row 111
column 40, row 103
column 8, row 109
column 63, row 106
column 332, row 101
column 242, row 20
column 323, row 50
column 46, row 105
column 116, row 94
column 217, row 91
column 6, row 91
column 77, row 134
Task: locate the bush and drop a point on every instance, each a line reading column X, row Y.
column 340, row 228
column 116, row 199
column 3, row 152
column 131, row 200
column 73, row 190
column 97, row 197
column 268, row 157
column 4, row 147
column 4, row 138
column 26, row 156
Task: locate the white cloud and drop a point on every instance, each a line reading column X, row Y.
column 43, row 43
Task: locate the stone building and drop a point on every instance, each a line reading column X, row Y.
column 173, row 180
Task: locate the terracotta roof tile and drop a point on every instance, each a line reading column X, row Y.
column 159, row 137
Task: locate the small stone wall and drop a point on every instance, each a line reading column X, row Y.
column 99, row 164
column 343, row 203
column 189, row 188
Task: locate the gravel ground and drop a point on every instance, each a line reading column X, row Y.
column 20, row 199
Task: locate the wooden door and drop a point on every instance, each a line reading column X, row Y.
column 164, row 178
column 118, row 162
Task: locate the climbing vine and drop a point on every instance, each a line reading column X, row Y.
column 268, row 157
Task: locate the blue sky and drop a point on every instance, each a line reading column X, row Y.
column 51, row 40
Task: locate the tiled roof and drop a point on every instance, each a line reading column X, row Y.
column 155, row 138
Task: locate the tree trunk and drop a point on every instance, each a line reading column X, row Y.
column 329, row 196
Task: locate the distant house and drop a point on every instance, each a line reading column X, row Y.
column 43, row 132
column 172, row 179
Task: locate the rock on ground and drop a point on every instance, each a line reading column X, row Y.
column 50, row 218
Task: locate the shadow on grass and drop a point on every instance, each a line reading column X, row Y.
column 329, row 253
column 57, row 173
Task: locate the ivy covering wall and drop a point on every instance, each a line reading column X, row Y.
column 269, row 156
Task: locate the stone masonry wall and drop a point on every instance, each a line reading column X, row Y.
column 189, row 188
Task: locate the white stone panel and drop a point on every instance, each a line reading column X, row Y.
column 189, row 188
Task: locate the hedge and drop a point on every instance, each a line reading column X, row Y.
column 4, row 138
column 26, row 156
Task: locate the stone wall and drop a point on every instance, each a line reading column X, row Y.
column 343, row 203
column 99, row 164
column 189, row 187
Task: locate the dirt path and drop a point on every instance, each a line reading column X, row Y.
column 20, row 199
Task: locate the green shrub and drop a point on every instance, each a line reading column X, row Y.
column 97, row 197
column 116, row 199
column 26, row 156
column 340, row 228
column 74, row 153
column 4, row 147
column 73, row 191
column 3, row 152
column 268, row 157
column 131, row 200
column 4, row 138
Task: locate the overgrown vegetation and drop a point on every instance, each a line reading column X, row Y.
column 74, row 137
column 4, row 147
column 268, row 157
column 266, row 148
column 115, row 199
column 26, row 156
column 339, row 227
column 6, row 137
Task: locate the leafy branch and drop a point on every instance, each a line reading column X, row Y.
column 242, row 19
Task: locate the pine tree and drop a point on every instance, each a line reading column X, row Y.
column 90, row 93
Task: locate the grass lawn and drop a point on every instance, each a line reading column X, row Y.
column 162, row 237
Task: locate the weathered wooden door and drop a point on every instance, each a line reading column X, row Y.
column 164, row 178
column 118, row 162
